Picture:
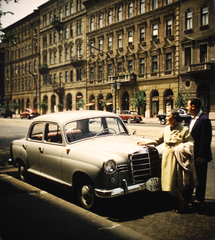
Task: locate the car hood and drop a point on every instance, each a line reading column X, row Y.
column 115, row 147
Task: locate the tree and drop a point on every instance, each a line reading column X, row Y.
column 43, row 105
column 104, row 104
column 15, row 106
column 139, row 99
column 80, row 104
column 181, row 100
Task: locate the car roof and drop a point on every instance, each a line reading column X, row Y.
column 67, row 116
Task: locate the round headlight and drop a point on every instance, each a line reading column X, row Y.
column 110, row 166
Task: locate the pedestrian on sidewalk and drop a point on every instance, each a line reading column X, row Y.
column 173, row 135
column 201, row 131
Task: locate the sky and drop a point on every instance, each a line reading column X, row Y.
column 20, row 10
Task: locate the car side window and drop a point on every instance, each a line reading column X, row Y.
column 36, row 132
column 53, row 133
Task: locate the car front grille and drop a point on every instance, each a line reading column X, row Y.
column 145, row 164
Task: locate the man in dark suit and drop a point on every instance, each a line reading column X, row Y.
column 201, row 131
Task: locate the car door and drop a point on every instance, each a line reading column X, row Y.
column 51, row 152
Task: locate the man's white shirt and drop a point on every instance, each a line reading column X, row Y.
column 193, row 121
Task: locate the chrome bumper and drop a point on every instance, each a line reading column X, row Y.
column 102, row 193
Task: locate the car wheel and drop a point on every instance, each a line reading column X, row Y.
column 86, row 195
column 128, row 120
column 163, row 121
column 21, row 117
column 22, row 172
column 29, row 117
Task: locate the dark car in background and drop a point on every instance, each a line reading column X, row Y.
column 29, row 113
column 130, row 116
column 6, row 112
column 184, row 115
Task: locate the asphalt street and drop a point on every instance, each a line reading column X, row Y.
column 36, row 210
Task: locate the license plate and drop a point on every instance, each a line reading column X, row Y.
column 153, row 184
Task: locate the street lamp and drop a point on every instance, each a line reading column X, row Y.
column 114, row 85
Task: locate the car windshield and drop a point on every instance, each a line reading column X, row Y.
column 93, row 127
column 134, row 113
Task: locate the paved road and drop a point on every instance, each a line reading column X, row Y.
column 41, row 211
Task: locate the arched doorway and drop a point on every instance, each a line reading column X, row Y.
column 125, row 101
column 204, row 94
column 22, row 105
column 79, row 96
column 109, row 105
column 69, row 102
column 100, row 101
column 35, row 103
column 168, row 100
column 91, row 103
column 155, row 103
column 19, row 102
column 45, row 99
column 53, row 103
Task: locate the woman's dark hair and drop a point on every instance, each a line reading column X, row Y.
column 175, row 114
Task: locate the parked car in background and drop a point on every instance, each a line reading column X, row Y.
column 29, row 113
column 130, row 116
column 6, row 112
column 184, row 115
column 90, row 152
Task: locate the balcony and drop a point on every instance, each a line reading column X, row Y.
column 123, row 77
column 56, row 23
column 77, row 61
column 58, row 88
column 43, row 68
column 200, row 68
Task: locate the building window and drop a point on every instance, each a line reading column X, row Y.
column 30, row 49
column 204, row 16
column 91, row 24
column 92, row 48
column 29, row 67
column 51, row 59
column 44, row 80
column 79, row 50
column 168, row 61
column 60, row 35
column 71, row 31
column 142, row 65
column 109, row 43
column 120, row 41
column 66, row 77
column 55, row 78
column 55, row 37
column 92, row 73
column 142, row 6
column 67, row 10
column 71, row 8
column 100, row 44
column 109, row 17
column 154, row 4
column 119, row 67
column 109, row 69
column 45, row 59
column 79, row 74
column 142, row 34
column 79, row 27
column 100, row 73
column 50, row 79
column 130, row 37
column 50, row 18
column 66, row 54
column 189, row 24
column 60, row 77
column 44, row 20
column 130, row 10
column 60, row 14
column 79, row 5
column 100, row 21
column 71, row 52
column 66, row 33
column 45, row 41
column 187, row 56
column 26, row 51
column 203, row 53
column 50, row 39
column 130, row 66
column 155, row 31
column 71, row 76
column 119, row 14
column 60, row 56
column 169, row 27
column 55, row 57
column 154, row 63
column 168, row 1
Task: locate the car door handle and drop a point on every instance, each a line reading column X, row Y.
column 41, row 149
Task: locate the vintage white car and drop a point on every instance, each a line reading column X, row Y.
column 90, row 151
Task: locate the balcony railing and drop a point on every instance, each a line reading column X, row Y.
column 123, row 77
column 58, row 88
column 43, row 68
column 77, row 61
column 200, row 67
column 56, row 23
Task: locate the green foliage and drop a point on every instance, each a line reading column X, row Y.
column 139, row 99
column 60, row 105
column 181, row 100
column 15, row 106
column 104, row 103
column 43, row 105
column 80, row 103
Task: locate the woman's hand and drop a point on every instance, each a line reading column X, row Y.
column 141, row 143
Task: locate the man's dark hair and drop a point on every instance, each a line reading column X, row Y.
column 196, row 102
